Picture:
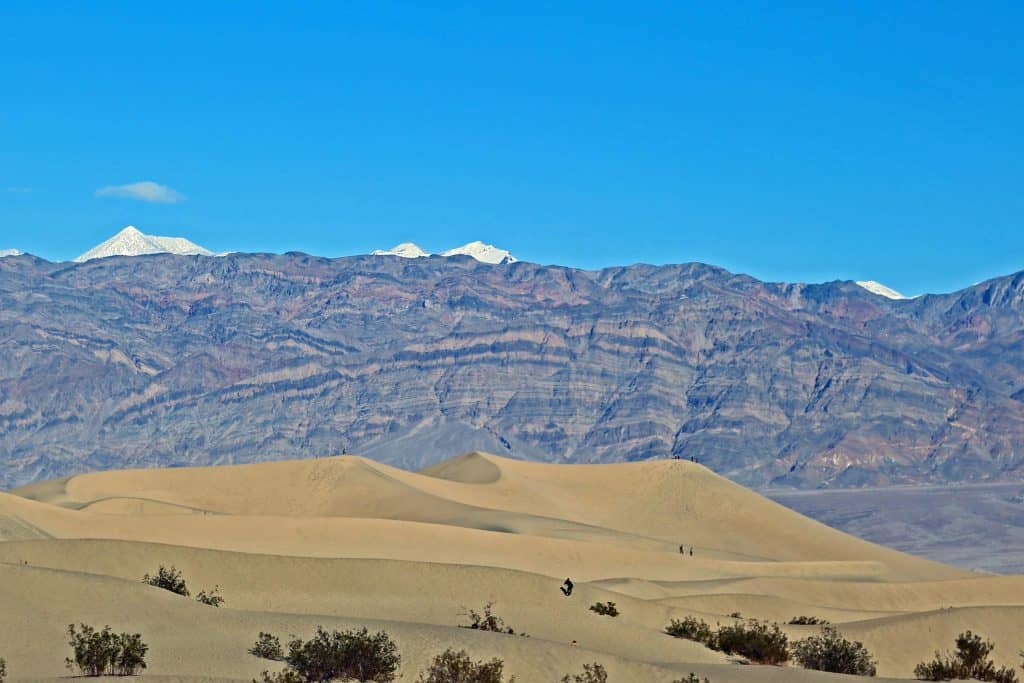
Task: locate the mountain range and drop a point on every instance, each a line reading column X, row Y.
column 175, row 360
column 130, row 241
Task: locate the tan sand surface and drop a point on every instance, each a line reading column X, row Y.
column 347, row 542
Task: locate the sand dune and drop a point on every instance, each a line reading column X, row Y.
column 350, row 542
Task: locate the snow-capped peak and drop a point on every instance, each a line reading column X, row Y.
column 880, row 289
column 10, row 252
column 133, row 242
column 485, row 253
column 405, row 250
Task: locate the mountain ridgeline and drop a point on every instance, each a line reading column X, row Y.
column 189, row 360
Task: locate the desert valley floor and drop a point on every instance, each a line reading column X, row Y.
column 348, row 542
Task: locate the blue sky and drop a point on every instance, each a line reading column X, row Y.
column 792, row 141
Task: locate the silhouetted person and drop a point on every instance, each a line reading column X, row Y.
column 691, row 551
column 566, row 588
column 682, row 550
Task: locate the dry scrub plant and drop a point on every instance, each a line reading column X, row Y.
column 457, row 667
column 105, row 653
column 831, row 652
column 971, row 661
column 354, row 655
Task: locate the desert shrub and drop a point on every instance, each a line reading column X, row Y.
column 98, row 653
column 833, row 653
column 971, row 661
column 131, row 655
column 213, row 598
column 935, row 670
column 267, row 646
column 343, row 655
column 606, row 609
column 692, row 628
column 692, row 678
column 488, row 621
column 456, row 667
column 286, row 676
column 808, row 621
column 94, row 651
column 592, row 673
column 758, row 641
column 3, row 670
column 736, row 615
column 170, row 579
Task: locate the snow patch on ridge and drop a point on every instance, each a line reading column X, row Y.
column 133, row 242
column 485, row 253
column 10, row 252
column 881, row 290
column 405, row 250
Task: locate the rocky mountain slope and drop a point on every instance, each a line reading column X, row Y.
column 173, row 360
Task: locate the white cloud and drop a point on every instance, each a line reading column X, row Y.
column 146, row 191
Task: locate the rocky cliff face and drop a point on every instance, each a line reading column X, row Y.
column 178, row 360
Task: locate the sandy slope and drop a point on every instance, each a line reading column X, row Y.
column 347, row 542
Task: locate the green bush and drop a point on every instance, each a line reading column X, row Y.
column 213, row 598
column 170, row 579
column 488, row 621
column 833, row 653
column 758, row 641
column 592, row 673
column 344, row 655
column 808, row 621
column 267, row 646
column 99, row 653
column 971, row 661
column 692, row 628
column 456, row 667
column 606, row 609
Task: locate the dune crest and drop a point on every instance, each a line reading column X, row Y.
column 471, row 468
